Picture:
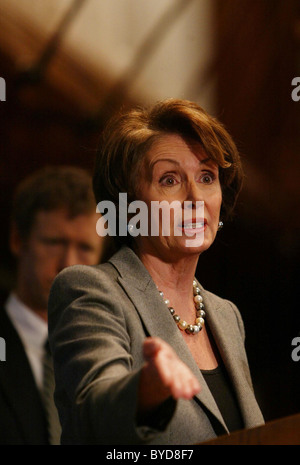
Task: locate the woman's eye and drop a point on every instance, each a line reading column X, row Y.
column 168, row 181
column 207, row 178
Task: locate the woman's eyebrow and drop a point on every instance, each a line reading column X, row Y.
column 206, row 160
column 175, row 162
column 171, row 160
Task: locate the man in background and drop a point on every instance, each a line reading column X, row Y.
column 53, row 226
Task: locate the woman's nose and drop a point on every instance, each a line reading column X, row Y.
column 194, row 195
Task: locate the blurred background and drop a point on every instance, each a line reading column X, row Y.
column 70, row 64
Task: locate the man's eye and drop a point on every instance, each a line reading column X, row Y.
column 86, row 248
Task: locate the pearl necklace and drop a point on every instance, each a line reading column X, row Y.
column 200, row 313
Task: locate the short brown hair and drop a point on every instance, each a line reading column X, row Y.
column 52, row 188
column 129, row 135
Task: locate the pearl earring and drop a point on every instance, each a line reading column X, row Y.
column 130, row 228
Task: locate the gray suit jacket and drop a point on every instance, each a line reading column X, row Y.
column 98, row 319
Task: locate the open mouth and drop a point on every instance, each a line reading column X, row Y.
column 194, row 225
column 199, row 224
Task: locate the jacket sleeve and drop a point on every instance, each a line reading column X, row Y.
column 96, row 385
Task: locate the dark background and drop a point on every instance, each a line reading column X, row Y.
column 254, row 261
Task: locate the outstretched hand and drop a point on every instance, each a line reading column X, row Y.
column 163, row 375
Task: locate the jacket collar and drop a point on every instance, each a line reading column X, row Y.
column 139, row 286
column 19, row 387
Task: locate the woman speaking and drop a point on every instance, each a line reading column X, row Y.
column 142, row 353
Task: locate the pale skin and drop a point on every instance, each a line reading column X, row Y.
column 176, row 169
column 55, row 241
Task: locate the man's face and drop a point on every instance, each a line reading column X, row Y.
column 55, row 242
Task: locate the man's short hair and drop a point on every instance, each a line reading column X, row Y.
column 52, row 188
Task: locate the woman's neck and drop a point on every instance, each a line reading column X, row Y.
column 171, row 276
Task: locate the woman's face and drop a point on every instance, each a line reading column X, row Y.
column 178, row 170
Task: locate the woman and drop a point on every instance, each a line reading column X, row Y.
column 129, row 369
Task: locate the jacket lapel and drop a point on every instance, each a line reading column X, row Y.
column 19, row 387
column 142, row 291
column 230, row 349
